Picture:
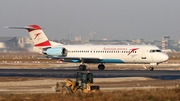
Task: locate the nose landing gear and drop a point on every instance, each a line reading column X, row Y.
column 151, row 68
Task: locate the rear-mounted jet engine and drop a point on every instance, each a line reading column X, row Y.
column 57, row 51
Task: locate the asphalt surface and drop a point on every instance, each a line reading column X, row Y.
column 108, row 80
column 63, row 73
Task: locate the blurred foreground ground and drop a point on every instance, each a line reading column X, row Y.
column 21, row 85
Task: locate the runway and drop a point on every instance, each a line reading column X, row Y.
column 62, row 73
column 43, row 80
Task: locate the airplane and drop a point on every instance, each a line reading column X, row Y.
column 126, row 54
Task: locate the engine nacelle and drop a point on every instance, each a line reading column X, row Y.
column 56, row 51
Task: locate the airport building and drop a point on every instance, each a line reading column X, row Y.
column 12, row 44
column 25, row 42
column 9, row 42
column 165, row 42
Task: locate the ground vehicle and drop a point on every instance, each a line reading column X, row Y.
column 83, row 83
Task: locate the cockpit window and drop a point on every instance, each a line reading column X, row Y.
column 158, row 50
column 152, row 51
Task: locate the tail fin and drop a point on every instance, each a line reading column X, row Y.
column 38, row 37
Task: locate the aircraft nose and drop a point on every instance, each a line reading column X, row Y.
column 165, row 57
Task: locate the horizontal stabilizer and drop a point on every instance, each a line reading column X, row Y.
column 26, row 27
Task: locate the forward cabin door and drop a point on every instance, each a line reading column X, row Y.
column 143, row 54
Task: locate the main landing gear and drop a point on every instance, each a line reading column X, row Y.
column 151, row 68
column 100, row 66
column 82, row 67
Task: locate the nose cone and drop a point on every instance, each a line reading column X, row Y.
column 164, row 57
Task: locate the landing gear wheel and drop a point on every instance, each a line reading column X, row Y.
column 101, row 67
column 151, row 68
column 82, row 67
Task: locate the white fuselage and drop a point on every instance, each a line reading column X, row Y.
column 118, row 53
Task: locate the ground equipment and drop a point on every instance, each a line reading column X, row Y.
column 83, row 83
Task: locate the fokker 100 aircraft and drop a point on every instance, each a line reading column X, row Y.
column 101, row 54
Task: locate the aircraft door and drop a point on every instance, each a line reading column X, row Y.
column 143, row 54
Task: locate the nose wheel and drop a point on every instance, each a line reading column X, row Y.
column 151, row 68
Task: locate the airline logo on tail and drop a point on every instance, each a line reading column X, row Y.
column 36, row 35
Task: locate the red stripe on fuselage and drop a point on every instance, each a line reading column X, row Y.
column 46, row 43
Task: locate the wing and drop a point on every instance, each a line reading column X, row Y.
column 76, row 59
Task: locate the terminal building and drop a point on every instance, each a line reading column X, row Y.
column 9, row 42
column 14, row 44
